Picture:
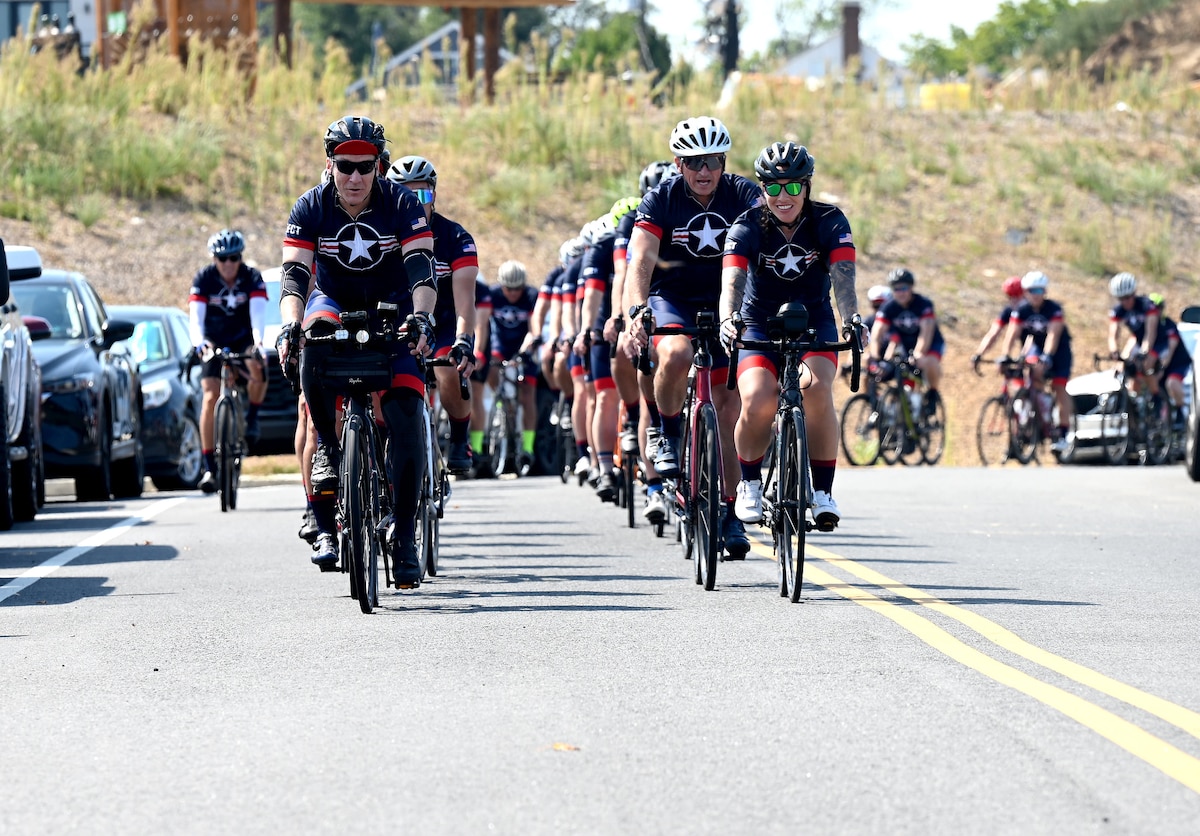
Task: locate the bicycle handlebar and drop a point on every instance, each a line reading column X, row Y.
column 806, row 343
column 448, row 361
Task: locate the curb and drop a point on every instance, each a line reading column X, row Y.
column 62, row 488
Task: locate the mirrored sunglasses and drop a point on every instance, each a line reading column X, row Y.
column 347, row 167
column 714, row 162
column 424, row 196
column 794, row 188
column 234, row 257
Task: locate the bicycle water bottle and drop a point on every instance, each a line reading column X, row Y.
column 914, row 396
column 1044, row 406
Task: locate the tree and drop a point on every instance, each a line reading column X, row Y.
column 614, row 46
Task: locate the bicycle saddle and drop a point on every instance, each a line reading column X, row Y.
column 790, row 321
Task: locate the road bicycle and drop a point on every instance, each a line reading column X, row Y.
column 699, row 507
column 912, row 421
column 506, row 418
column 229, row 426
column 1014, row 423
column 1133, row 420
column 435, row 486
column 788, row 492
column 862, row 439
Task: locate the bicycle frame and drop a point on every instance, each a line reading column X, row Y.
column 229, row 428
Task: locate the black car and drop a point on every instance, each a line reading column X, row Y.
column 91, row 391
column 171, row 394
column 22, row 483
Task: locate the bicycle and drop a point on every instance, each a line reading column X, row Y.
column 1133, row 422
column 359, row 365
column 861, row 436
column 1014, row 423
column 435, row 486
column 697, row 489
column 505, row 418
column 229, row 426
column 789, row 490
column 912, row 424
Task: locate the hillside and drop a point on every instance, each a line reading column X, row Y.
column 1169, row 38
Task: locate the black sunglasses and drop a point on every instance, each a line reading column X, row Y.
column 794, row 189
column 234, row 257
column 364, row 167
column 715, row 162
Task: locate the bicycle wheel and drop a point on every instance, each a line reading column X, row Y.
column 993, row 432
column 931, row 431
column 1156, row 429
column 1023, row 420
column 498, row 441
column 629, row 477
column 225, row 437
column 860, row 431
column 891, row 426
column 1114, row 426
column 355, row 490
column 709, row 505
column 790, row 521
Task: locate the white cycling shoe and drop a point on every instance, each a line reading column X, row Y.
column 583, row 466
column 656, row 507
column 747, row 504
column 825, row 511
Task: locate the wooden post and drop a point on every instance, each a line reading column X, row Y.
column 491, row 51
column 469, row 20
column 174, row 39
column 283, row 30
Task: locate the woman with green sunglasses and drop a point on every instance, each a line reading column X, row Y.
column 789, row 249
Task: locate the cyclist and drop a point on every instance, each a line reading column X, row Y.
column 483, row 322
column 792, row 249
column 227, row 307
column 576, row 372
column 878, row 295
column 909, row 320
column 349, row 242
column 1041, row 325
column 1162, row 358
column 456, row 262
column 675, row 269
column 1013, row 293
column 1175, row 364
column 512, row 303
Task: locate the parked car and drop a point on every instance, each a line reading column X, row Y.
column 171, row 395
column 22, row 475
column 91, row 390
column 277, row 416
column 1189, row 332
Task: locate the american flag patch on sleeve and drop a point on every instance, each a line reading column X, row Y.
column 846, row 239
column 418, row 223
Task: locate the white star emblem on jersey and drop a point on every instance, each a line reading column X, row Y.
column 790, row 263
column 707, row 237
column 358, row 247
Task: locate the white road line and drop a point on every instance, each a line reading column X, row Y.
column 46, row 568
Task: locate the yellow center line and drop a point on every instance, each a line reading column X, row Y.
column 1141, row 744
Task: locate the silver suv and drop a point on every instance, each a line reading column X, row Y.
column 22, row 471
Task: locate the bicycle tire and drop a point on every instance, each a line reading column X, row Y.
column 931, row 432
column 1025, row 424
column 860, row 431
column 1156, row 430
column 891, row 426
column 993, row 432
column 1114, row 426
column 709, row 504
column 226, row 432
column 793, row 488
column 498, row 441
column 629, row 476
column 1191, row 440
column 354, row 488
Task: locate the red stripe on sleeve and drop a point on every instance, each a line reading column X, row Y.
column 738, row 261
column 841, row 254
column 417, row 237
column 196, row 297
column 258, row 294
column 656, row 231
column 464, row 261
column 296, row 242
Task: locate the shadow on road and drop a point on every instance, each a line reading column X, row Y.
column 64, row 589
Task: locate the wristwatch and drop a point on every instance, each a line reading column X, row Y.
column 636, row 310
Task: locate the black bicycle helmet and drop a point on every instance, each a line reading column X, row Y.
column 784, row 161
column 413, row 169
column 227, row 242
column 654, row 174
column 354, row 135
column 901, row 275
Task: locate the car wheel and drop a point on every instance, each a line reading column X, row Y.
column 191, row 460
column 6, row 482
column 95, row 481
column 29, row 475
column 1191, row 454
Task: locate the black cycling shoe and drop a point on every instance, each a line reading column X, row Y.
column 405, row 565
column 325, row 555
column 324, row 469
column 308, row 527
column 252, row 431
column 737, row 544
column 458, row 458
column 606, row 488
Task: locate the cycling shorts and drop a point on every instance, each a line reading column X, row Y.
column 1060, row 364
column 819, row 319
column 406, row 373
column 212, row 366
column 668, row 315
column 602, row 366
column 1179, row 365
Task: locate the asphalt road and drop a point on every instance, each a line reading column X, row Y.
column 1009, row 651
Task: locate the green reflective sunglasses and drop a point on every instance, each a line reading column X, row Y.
column 794, row 188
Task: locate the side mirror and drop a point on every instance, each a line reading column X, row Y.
column 1191, row 315
column 116, row 330
column 39, row 329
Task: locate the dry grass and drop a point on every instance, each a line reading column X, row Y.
column 124, row 178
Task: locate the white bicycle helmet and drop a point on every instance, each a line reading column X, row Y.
column 570, row 250
column 1035, row 280
column 700, row 135
column 1123, row 284
column 879, row 293
column 413, row 169
column 511, row 274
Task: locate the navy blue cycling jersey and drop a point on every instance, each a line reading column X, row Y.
column 596, row 273
column 483, row 296
column 692, row 236
column 453, row 249
column 550, row 284
column 227, row 313
column 623, row 231
column 510, row 320
column 1005, row 315
column 359, row 261
column 1036, row 323
column 1135, row 321
column 782, row 270
column 904, row 323
column 569, row 283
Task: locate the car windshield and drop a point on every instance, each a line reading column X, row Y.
column 54, row 303
column 272, row 315
column 149, row 342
